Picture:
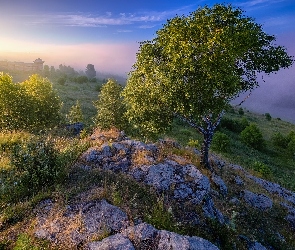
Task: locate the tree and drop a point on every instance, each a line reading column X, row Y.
column 110, row 107
column 195, row 66
column 75, row 114
column 90, row 71
column 46, row 72
column 32, row 104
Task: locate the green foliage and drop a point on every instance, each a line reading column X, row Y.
column 253, row 137
column 43, row 103
column 193, row 143
column 234, row 125
column 24, row 242
column 241, row 111
column 32, row 104
column 268, row 116
column 36, row 164
column 279, row 140
column 195, row 66
column 220, row 142
column 160, row 216
column 75, row 113
column 110, row 107
column 81, row 79
column 61, row 80
column 261, row 168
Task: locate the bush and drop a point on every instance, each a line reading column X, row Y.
column 262, row 169
column 241, row 111
column 220, row 142
column 268, row 116
column 61, row 80
column 110, row 107
column 234, row 125
column 75, row 114
column 279, row 140
column 36, row 164
column 32, row 104
column 252, row 137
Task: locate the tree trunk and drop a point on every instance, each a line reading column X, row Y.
column 208, row 136
column 207, row 133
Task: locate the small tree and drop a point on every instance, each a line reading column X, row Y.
column 90, row 71
column 195, row 66
column 253, row 137
column 75, row 114
column 110, row 108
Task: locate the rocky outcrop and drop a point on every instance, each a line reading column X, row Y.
column 80, row 225
column 182, row 182
column 258, row 201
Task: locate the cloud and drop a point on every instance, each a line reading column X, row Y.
column 253, row 3
column 102, row 20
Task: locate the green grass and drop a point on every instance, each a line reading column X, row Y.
column 278, row 160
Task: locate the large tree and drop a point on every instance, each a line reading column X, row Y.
column 195, row 66
column 90, row 71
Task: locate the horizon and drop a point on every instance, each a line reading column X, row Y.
column 107, row 35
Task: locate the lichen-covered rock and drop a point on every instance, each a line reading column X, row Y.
column 220, row 184
column 211, row 211
column 257, row 246
column 160, row 176
column 259, row 201
column 239, row 181
column 114, row 242
column 101, row 216
column 145, row 236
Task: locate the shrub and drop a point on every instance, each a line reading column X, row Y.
column 110, row 108
column 32, row 104
column 36, row 164
column 234, row 125
column 262, row 169
column 75, row 114
column 252, row 136
column 61, row 80
column 193, row 143
column 279, row 140
column 241, row 111
column 221, row 142
column 268, row 116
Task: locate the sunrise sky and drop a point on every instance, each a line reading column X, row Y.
column 107, row 33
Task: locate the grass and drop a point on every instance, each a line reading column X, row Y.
column 277, row 160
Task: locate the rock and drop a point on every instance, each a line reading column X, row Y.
column 160, row 176
column 197, row 243
column 220, row 183
column 256, row 246
column 102, row 216
column 239, row 181
column 182, row 191
column 291, row 219
column 173, row 241
column 258, row 201
column 75, row 128
column 211, row 212
column 92, row 155
column 142, row 235
column 114, row 242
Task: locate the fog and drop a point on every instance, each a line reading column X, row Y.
column 275, row 96
column 112, row 58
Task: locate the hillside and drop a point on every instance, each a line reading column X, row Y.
column 125, row 194
column 108, row 190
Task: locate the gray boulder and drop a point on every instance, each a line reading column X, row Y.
column 220, row 184
column 259, row 201
column 114, row 242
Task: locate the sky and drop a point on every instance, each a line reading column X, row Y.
column 107, row 34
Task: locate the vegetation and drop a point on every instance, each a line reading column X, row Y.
column 195, row 66
column 110, row 107
column 32, row 104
